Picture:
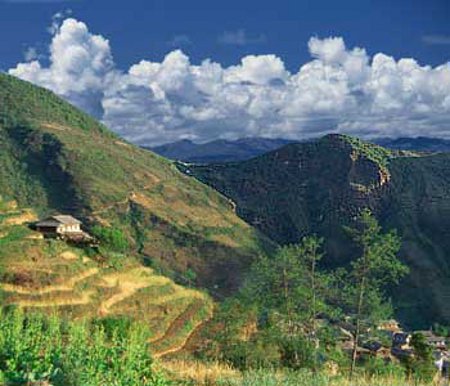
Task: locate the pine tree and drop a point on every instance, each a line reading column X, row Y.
column 376, row 268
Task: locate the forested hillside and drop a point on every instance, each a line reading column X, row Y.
column 319, row 188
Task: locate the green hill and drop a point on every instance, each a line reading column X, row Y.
column 319, row 187
column 54, row 158
column 51, row 276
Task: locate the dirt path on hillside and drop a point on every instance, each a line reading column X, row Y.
column 107, row 208
column 176, row 326
column 128, row 284
column 126, row 290
column 68, row 286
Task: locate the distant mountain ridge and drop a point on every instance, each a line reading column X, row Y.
column 425, row 144
column 249, row 147
column 220, row 150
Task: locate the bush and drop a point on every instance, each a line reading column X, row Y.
column 111, row 238
column 38, row 348
column 379, row 367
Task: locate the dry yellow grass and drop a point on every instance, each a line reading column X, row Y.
column 184, row 211
column 71, row 300
column 180, row 292
column 214, row 373
column 179, row 345
column 198, row 372
column 128, row 283
column 51, row 276
column 35, row 236
column 225, row 240
column 24, row 217
column 11, row 205
column 68, row 255
column 68, row 286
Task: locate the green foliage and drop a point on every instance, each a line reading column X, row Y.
column 190, row 276
column 270, row 377
column 289, row 283
column 111, row 238
column 421, row 366
column 319, row 187
column 375, row 153
column 14, row 233
column 21, row 101
column 376, row 268
column 363, row 287
column 54, row 158
column 380, row 367
column 38, row 348
column 441, row 330
column 281, row 299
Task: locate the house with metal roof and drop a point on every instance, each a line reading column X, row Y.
column 59, row 225
column 64, row 227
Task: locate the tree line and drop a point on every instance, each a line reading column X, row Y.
column 297, row 311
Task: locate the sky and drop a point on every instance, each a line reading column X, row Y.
column 158, row 71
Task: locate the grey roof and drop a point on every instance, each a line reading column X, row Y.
column 436, row 339
column 59, row 219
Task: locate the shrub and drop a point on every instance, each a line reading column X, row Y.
column 38, row 348
column 111, row 238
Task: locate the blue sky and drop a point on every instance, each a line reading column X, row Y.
column 150, row 28
column 278, row 68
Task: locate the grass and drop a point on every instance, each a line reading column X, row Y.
column 192, row 372
column 55, row 158
column 52, row 276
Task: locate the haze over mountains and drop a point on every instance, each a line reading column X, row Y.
column 246, row 148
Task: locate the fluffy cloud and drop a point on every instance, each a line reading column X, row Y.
column 80, row 68
column 340, row 90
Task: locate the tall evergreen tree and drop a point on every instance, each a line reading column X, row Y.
column 290, row 286
column 377, row 268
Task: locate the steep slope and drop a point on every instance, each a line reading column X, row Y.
column 51, row 276
column 55, row 158
column 219, row 150
column 318, row 187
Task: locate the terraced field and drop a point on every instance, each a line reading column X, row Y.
column 51, row 276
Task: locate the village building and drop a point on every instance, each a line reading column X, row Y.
column 434, row 341
column 391, row 326
column 62, row 226
column 401, row 340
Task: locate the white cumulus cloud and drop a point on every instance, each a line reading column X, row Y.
column 340, row 89
column 81, row 65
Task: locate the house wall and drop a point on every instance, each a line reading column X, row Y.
column 69, row 228
column 47, row 229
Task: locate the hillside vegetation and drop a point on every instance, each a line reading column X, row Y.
column 51, row 277
column 319, row 188
column 53, row 158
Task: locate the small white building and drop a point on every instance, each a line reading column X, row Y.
column 60, row 225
